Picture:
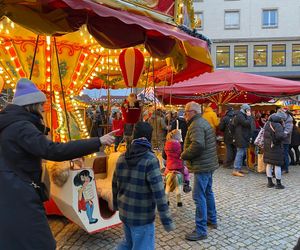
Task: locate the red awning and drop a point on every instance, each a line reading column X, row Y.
column 114, row 29
column 224, row 86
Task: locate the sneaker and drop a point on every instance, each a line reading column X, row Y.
column 237, row 173
column 213, row 226
column 194, row 236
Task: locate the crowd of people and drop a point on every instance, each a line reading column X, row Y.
column 189, row 144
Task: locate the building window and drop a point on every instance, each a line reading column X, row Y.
column 278, row 55
column 270, row 19
column 223, row 56
column 260, row 55
column 241, row 56
column 199, row 20
column 296, row 55
column 232, row 19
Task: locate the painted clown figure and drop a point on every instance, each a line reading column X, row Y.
column 85, row 194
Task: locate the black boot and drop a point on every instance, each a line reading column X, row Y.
column 278, row 184
column 270, row 183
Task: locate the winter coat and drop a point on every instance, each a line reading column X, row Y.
column 226, row 126
column 23, row 145
column 138, row 187
column 273, row 142
column 200, row 151
column 288, row 129
column 211, row 117
column 159, row 130
column 173, row 152
column 242, row 129
column 295, row 140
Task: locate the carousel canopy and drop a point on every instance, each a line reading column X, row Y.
column 89, row 39
column 224, row 86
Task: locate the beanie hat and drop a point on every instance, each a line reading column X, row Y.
column 245, row 107
column 282, row 115
column 143, row 129
column 27, row 93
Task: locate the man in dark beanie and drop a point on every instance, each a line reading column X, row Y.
column 138, row 189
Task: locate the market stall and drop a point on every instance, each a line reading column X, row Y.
column 225, row 86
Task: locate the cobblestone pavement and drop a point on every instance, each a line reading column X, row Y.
column 250, row 216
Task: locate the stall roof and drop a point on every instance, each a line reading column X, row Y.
column 223, row 86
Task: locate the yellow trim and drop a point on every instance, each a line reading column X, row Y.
column 199, row 53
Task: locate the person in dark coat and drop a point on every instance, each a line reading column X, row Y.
column 288, row 128
column 226, row 126
column 295, row 142
column 243, row 126
column 273, row 149
column 23, row 145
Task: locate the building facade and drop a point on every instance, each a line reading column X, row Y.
column 255, row 36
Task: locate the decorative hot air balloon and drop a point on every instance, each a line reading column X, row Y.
column 131, row 61
column 1, row 83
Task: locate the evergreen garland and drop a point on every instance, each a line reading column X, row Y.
column 195, row 33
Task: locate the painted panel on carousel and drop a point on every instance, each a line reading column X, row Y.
column 78, row 200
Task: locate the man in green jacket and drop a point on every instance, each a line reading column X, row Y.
column 200, row 153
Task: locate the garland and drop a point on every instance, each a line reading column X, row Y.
column 195, row 33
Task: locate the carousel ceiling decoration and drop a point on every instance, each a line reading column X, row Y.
column 80, row 28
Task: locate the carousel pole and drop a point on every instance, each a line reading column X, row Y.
column 51, row 100
column 34, row 55
column 108, row 94
column 62, row 91
column 154, row 91
column 146, row 85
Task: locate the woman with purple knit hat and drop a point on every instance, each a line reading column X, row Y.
column 23, row 145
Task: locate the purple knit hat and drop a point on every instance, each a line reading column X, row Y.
column 27, row 93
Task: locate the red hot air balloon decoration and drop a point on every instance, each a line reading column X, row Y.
column 131, row 61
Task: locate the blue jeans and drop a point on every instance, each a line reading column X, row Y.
column 239, row 158
column 204, row 201
column 286, row 148
column 138, row 237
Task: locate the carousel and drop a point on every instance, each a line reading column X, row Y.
column 66, row 47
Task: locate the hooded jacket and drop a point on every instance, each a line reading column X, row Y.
column 273, row 140
column 138, row 187
column 200, row 150
column 211, row 117
column 22, row 147
column 173, row 152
